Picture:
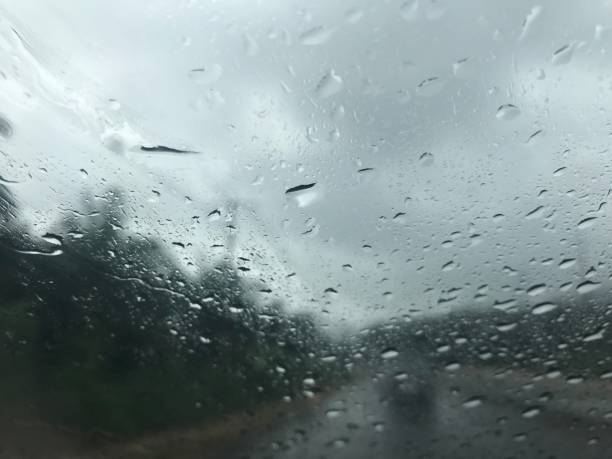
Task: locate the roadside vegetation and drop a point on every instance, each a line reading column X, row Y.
column 111, row 336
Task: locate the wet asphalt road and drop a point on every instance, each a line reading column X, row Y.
column 473, row 414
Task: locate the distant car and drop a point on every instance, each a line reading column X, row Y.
column 406, row 386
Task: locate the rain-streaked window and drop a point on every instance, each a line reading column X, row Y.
column 282, row 229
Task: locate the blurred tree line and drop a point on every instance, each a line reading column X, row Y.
column 111, row 335
column 573, row 339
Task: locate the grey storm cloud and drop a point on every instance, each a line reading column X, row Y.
column 454, row 147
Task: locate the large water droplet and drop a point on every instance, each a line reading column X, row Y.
column 299, row 188
column 567, row 263
column 535, row 213
column 303, row 195
column 329, row 85
column 315, row 36
column 543, row 308
column 389, row 354
column 206, row 75
column 505, row 305
column 332, row 414
column 472, row 402
column 563, row 55
column 533, row 138
column 599, row 334
column 531, row 412
column 559, row 172
column 536, row 289
column 452, row 366
column 400, row 217
column 507, row 112
column 449, row 266
column 214, row 215
column 587, row 287
column 529, row 20
column 606, row 375
column 586, row 223
column 426, row 159
column 430, row 87
column 463, row 68
column 6, row 129
column 506, row 327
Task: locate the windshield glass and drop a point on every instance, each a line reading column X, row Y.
column 283, row 229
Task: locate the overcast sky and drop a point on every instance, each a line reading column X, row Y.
column 436, row 133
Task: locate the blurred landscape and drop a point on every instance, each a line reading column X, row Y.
column 110, row 336
column 334, row 230
column 107, row 341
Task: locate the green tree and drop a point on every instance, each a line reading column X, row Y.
column 121, row 340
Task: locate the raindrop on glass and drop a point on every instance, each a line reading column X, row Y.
column 315, row 36
column 329, row 85
column 472, row 402
column 562, row 55
column 389, row 354
column 206, row 75
column 507, row 112
column 426, row 159
column 543, row 308
column 6, row 129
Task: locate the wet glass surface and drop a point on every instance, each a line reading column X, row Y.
column 283, row 230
